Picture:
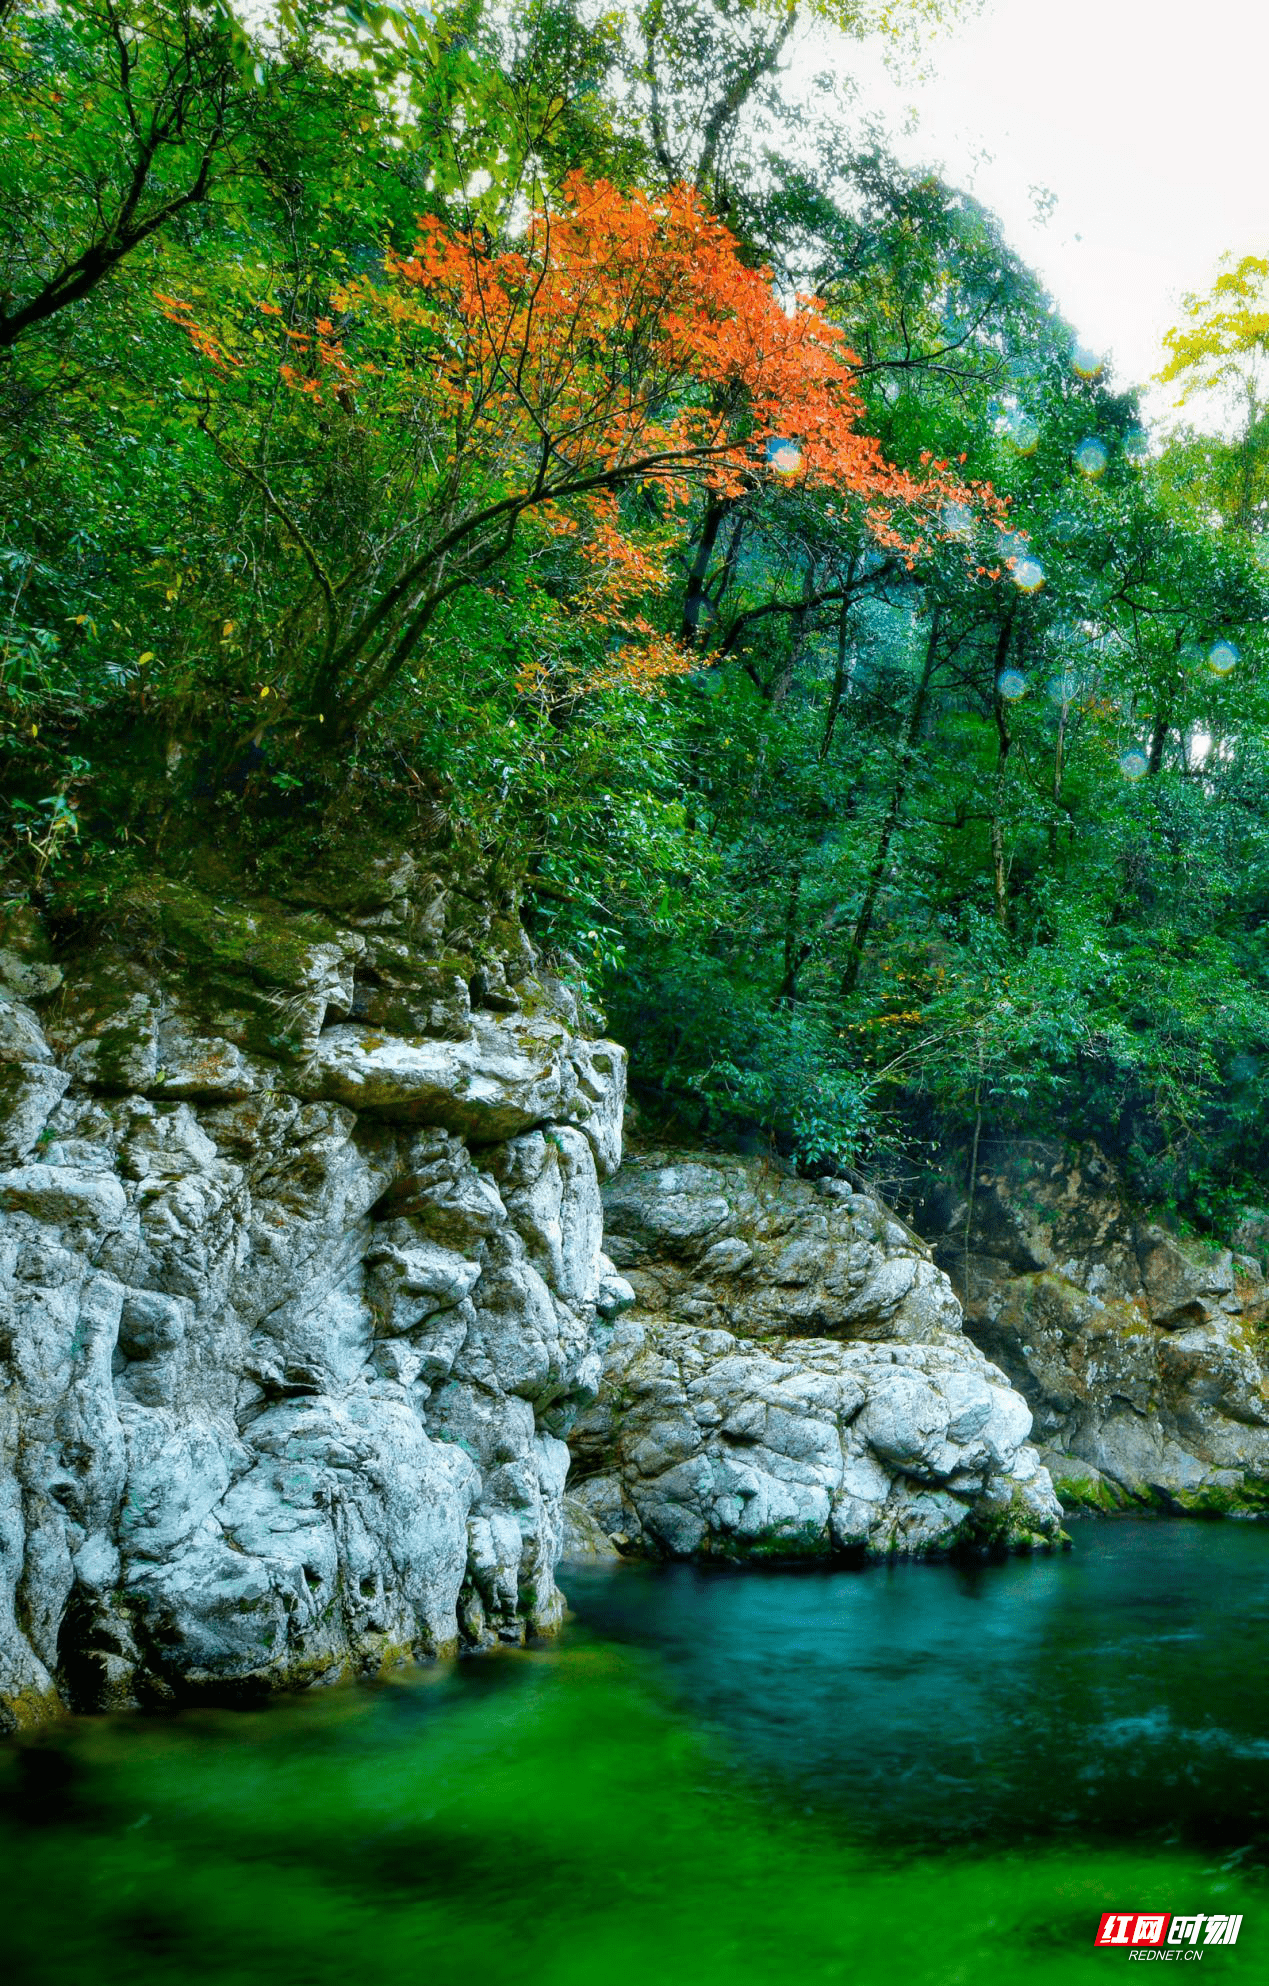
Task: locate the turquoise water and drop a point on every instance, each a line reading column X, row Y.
column 925, row 1774
column 1118, row 1691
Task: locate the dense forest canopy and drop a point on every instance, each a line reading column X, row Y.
column 533, row 414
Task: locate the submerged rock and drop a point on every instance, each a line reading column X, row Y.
column 730, row 1423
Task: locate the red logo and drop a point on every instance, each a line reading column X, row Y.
column 1141, row 1928
column 1131, row 1928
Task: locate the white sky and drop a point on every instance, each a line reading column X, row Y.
column 1146, row 118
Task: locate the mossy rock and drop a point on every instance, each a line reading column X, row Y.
column 28, row 1707
column 1011, row 1529
column 271, row 946
column 1250, row 1498
column 1092, row 1493
column 807, row 1541
column 26, row 958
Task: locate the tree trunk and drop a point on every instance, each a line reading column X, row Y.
column 877, row 873
column 1004, row 741
column 695, row 598
column 1158, row 740
column 841, row 673
column 782, row 681
column 796, row 950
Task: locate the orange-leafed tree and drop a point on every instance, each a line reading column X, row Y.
column 619, row 342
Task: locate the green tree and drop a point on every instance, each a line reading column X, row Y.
column 1219, row 358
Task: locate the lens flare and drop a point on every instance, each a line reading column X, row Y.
column 784, row 456
column 1012, row 684
column 1028, row 575
column 1086, row 361
column 1062, row 688
column 1090, row 457
column 1137, row 447
column 1222, row 656
column 1134, row 764
column 958, row 522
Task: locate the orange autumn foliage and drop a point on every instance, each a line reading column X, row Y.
column 620, row 340
column 627, row 336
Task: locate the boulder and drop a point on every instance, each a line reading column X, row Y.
column 706, row 1445
column 792, row 1381
column 743, row 1246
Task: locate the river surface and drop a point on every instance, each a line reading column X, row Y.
column 1121, row 1689
column 914, row 1774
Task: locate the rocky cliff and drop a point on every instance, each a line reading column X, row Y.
column 303, row 1301
column 791, row 1380
column 1143, row 1355
column 299, row 1258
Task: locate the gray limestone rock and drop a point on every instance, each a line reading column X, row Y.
column 746, row 1247
column 1139, row 1351
column 706, row 1445
column 289, row 1331
column 29, row 1094
column 792, row 1381
column 585, row 1540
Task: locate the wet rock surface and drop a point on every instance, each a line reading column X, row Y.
column 792, row 1380
column 1142, row 1353
column 299, row 1258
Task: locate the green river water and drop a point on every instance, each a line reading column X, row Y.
column 914, row 1773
